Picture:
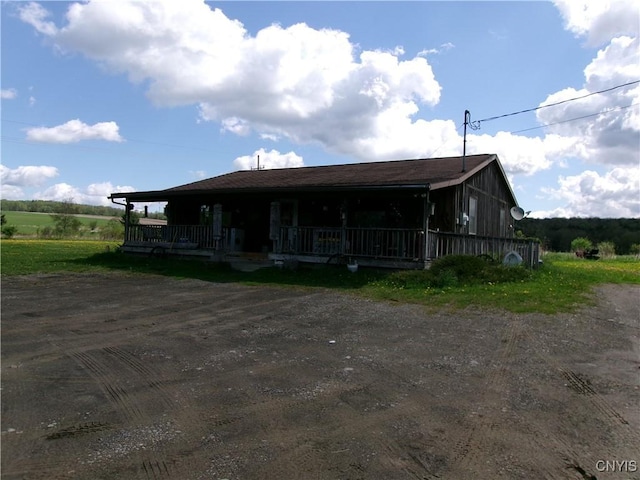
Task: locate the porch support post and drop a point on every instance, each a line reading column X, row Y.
column 127, row 217
column 217, row 226
column 275, row 233
column 343, row 226
column 425, row 223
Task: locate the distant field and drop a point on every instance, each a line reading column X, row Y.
column 28, row 223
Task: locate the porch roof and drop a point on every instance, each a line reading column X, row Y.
column 435, row 173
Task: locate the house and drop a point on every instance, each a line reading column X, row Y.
column 399, row 214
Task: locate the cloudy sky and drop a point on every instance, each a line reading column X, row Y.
column 99, row 97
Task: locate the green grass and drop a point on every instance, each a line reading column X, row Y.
column 562, row 284
column 28, row 223
column 22, row 257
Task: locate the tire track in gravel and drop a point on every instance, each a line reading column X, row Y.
column 90, row 357
column 149, row 376
column 31, row 435
column 106, row 375
column 153, row 466
column 299, row 451
column 471, row 446
column 620, row 431
column 111, row 386
column 213, row 313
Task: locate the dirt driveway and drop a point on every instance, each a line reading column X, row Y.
column 114, row 376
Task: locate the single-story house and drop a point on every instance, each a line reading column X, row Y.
column 401, row 213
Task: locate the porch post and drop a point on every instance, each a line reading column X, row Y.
column 425, row 223
column 217, row 225
column 343, row 227
column 274, row 227
column 127, row 216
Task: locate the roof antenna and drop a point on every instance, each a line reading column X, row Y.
column 258, row 167
column 474, row 126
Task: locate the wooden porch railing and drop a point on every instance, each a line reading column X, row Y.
column 393, row 243
column 388, row 243
column 201, row 235
column 444, row 243
column 403, row 244
column 399, row 244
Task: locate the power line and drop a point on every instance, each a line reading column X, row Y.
column 556, row 103
column 433, row 152
column 576, row 118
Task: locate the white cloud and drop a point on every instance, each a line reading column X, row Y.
column 613, row 136
column 32, row 101
column 93, row 194
column 268, row 160
column 8, row 93
column 35, row 15
column 600, row 21
column 589, row 194
column 519, row 155
column 295, row 82
column 11, row 192
column 314, row 86
column 236, row 125
column 436, row 51
column 26, row 176
column 75, row 131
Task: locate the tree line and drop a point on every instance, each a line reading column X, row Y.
column 556, row 234
column 66, row 207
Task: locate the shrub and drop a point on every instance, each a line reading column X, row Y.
column 113, row 230
column 45, row 232
column 607, row 249
column 581, row 244
column 444, row 278
column 65, row 224
column 454, row 270
column 9, row 231
column 464, row 267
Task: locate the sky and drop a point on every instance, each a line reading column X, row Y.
column 113, row 96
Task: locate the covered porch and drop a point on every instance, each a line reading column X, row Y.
column 378, row 247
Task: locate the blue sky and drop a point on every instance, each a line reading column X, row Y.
column 100, row 97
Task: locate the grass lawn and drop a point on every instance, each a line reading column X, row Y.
column 561, row 284
column 22, row 257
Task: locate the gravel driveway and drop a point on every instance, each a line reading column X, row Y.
column 146, row 377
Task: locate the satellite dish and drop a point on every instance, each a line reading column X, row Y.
column 517, row 213
column 512, row 258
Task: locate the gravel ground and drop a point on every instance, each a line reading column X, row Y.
column 145, row 377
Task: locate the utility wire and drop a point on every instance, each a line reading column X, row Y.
column 556, row 103
column 432, row 154
column 577, row 118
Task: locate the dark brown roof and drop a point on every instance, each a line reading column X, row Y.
column 373, row 174
column 437, row 172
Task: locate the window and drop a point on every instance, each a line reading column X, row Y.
column 473, row 215
column 503, row 222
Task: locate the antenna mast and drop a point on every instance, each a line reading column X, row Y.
column 467, row 116
column 474, row 126
column 258, row 167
